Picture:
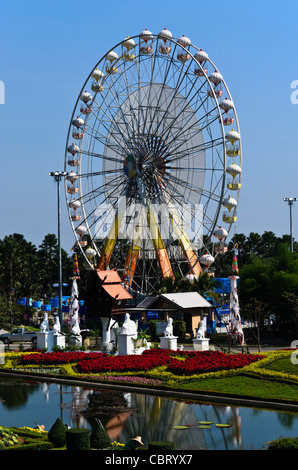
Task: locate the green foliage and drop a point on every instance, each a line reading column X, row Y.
column 57, row 433
column 77, row 439
column 99, row 438
column 179, row 329
column 161, row 445
column 204, row 284
column 27, row 271
column 32, row 446
column 7, row 437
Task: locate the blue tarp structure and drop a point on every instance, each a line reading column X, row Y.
column 46, row 308
column 224, row 285
column 25, row 301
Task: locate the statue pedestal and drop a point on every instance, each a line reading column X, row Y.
column 168, row 342
column 201, row 344
column 75, row 340
column 125, row 344
column 106, row 344
column 58, row 340
column 45, row 340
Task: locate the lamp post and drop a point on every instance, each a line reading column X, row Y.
column 58, row 177
column 290, row 201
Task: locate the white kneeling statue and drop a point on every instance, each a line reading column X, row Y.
column 201, row 330
column 129, row 326
column 169, row 328
column 168, row 340
column 56, row 327
column 45, row 323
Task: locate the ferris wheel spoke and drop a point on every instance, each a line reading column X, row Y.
column 179, row 136
column 200, row 191
column 106, row 142
column 99, row 173
column 129, row 130
column 162, row 88
column 98, row 134
column 100, row 156
column 204, row 146
column 186, row 101
column 113, row 188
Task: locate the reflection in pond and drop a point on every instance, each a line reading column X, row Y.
column 125, row 415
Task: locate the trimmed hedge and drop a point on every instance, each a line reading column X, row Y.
column 161, row 445
column 99, row 438
column 32, row 446
column 77, row 439
column 57, row 433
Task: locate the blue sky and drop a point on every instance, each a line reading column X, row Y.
column 48, row 49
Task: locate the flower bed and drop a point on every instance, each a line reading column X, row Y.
column 123, row 363
column 179, row 363
column 207, row 361
column 59, row 357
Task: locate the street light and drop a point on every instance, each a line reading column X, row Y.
column 58, row 176
column 290, row 201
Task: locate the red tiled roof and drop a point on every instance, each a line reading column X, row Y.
column 112, row 284
column 109, row 277
column 117, row 290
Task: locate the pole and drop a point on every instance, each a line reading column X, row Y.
column 290, row 201
column 59, row 256
column 58, row 176
column 291, row 226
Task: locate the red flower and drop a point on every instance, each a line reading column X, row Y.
column 178, row 362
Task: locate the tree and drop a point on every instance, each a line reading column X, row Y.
column 256, row 311
column 269, row 244
column 255, row 280
column 289, row 304
column 49, row 263
column 254, row 243
column 19, row 271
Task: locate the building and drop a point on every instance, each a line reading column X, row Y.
column 187, row 306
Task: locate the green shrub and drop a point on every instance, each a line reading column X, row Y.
column 284, row 443
column 56, row 434
column 32, row 446
column 161, row 445
column 99, row 438
column 77, row 439
column 179, row 329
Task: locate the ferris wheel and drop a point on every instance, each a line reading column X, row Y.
column 153, row 157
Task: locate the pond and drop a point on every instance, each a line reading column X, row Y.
column 125, row 415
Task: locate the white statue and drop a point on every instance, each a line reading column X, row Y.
column 74, row 306
column 56, row 327
column 201, row 330
column 169, row 328
column 129, row 327
column 74, row 324
column 45, row 323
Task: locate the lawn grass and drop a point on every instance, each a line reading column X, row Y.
column 283, row 365
column 241, row 385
